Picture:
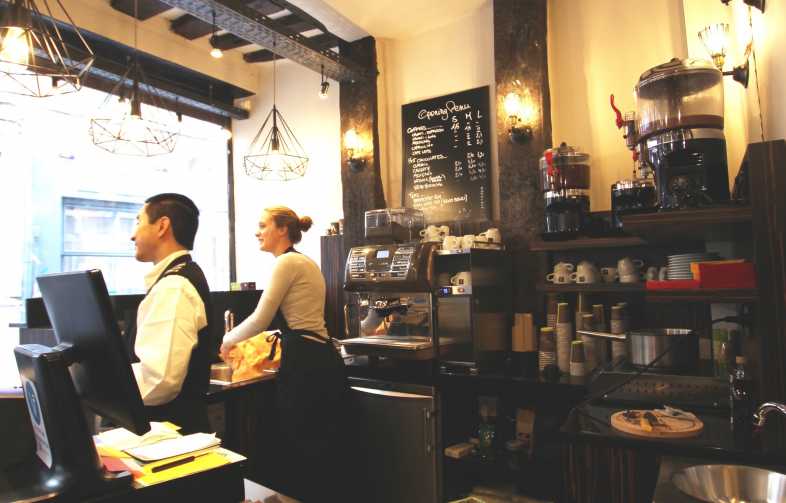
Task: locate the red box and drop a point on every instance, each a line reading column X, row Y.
column 727, row 275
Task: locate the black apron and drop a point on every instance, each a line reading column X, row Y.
column 311, row 397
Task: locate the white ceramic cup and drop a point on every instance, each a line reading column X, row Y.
column 663, row 273
column 431, row 233
column 651, row 274
column 468, row 241
column 559, row 277
column 630, row 278
column 563, row 267
column 627, row 266
column 451, row 243
column 586, row 273
column 491, row 235
column 464, row 278
column 609, row 274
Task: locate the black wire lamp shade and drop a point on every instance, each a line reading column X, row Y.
column 275, row 153
column 35, row 59
column 132, row 121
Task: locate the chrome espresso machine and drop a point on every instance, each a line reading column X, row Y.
column 390, row 309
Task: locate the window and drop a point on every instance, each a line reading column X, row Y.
column 96, row 236
column 68, row 205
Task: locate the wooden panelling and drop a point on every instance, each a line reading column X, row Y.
column 332, row 265
column 766, row 348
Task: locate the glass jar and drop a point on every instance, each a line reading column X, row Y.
column 679, row 94
column 564, row 168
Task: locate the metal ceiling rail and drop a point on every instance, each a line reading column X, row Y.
column 249, row 24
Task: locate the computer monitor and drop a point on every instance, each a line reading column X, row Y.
column 88, row 367
column 81, row 314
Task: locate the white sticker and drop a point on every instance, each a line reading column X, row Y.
column 42, row 448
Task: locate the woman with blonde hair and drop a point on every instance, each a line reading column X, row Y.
column 311, row 382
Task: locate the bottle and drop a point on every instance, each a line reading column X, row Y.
column 740, row 399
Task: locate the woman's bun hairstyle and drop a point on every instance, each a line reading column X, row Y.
column 285, row 217
column 305, row 223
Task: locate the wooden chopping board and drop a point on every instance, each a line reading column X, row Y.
column 656, row 424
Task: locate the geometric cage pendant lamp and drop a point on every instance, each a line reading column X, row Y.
column 35, row 59
column 275, row 153
column 132, row 120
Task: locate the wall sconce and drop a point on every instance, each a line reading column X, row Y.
column 354, row 146
column 759, row 4
column 715, row 38
column 521, row 114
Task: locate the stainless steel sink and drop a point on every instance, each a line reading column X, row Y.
column 731, row 484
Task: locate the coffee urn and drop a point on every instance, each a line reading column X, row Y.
column 679, row 132
column 565, row 183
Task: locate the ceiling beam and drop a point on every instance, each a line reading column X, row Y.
column 248, row 24
column 192, row 28
column 146, row 9
column 228, row 41
column 322, row 42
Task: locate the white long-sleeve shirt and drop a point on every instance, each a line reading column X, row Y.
column 298, row 288
column 168, row 321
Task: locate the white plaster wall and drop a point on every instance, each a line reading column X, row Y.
column 451, row 58
column 600, row 47
column 316, row 124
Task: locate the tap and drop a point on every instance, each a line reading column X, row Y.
column 229, row 320
column 760, row 416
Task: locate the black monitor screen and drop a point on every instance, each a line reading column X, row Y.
column 81, row 314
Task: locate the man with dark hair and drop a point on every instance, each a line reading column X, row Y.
column 170, row 341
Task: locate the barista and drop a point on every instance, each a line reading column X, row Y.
column 311, row 384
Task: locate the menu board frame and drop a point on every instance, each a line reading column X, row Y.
column 446, row 156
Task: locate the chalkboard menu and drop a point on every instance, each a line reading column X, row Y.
column 447, row 156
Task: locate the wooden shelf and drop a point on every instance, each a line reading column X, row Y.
column 584, row 243
column 691, row 224
column 730, row 296
column 592, row 288
column 721, row 296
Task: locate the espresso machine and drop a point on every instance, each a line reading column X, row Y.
column 390, row 311
column 390, row 308
column 677, row 133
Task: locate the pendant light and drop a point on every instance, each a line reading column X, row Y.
column 34, row 59
column 275, row 154
column 132, row 119
column 324, row 84
column 216, row 51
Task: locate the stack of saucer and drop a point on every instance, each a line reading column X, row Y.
column 679, row 265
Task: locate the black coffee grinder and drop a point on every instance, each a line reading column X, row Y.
column 678, row 133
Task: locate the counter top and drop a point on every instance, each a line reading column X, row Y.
column 592, row 423
column 217, row 392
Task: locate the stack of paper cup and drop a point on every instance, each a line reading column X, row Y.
column 619, row 349
column 547, row 354
column 577, row 363
column 564, row 331
column 599, row 325
column 523, row 336
column 590, row 356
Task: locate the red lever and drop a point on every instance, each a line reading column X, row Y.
column 620, row 122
